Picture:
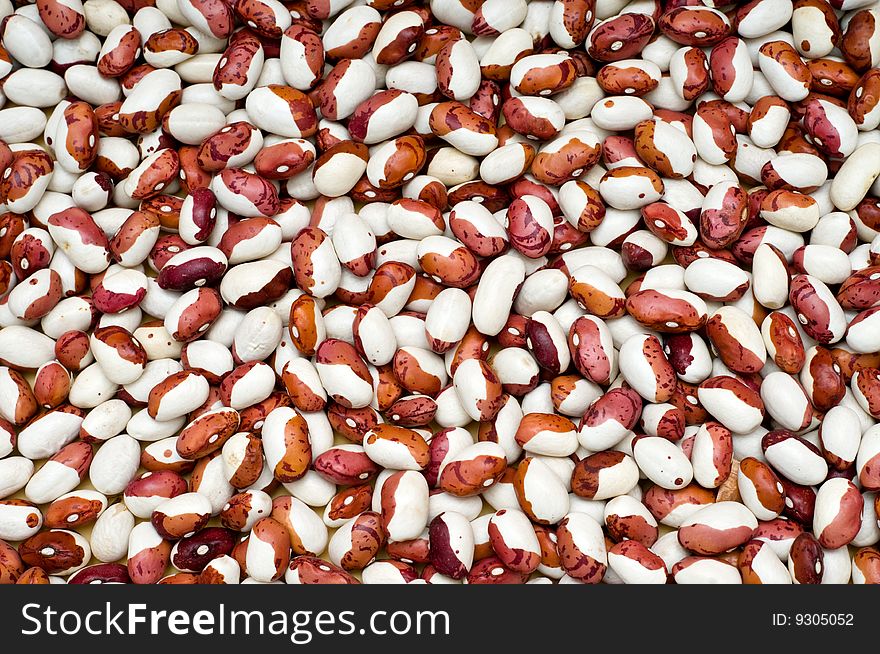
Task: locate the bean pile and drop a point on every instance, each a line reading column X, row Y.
column 324, row 291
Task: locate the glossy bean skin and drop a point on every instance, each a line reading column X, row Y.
column 625, row 257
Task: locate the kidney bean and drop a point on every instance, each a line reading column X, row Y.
column 460, row 289
column 221, row 570
column 581, row 547
column 181, row 515
column 193, row 553
column 806, row 560
column 546, row 506
column 758, row 564
column 732, row 402
column 628, row 519
column 75, row 509
column 804, row 465
column 717, row 528
column 56, row 551
column 838, row 505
